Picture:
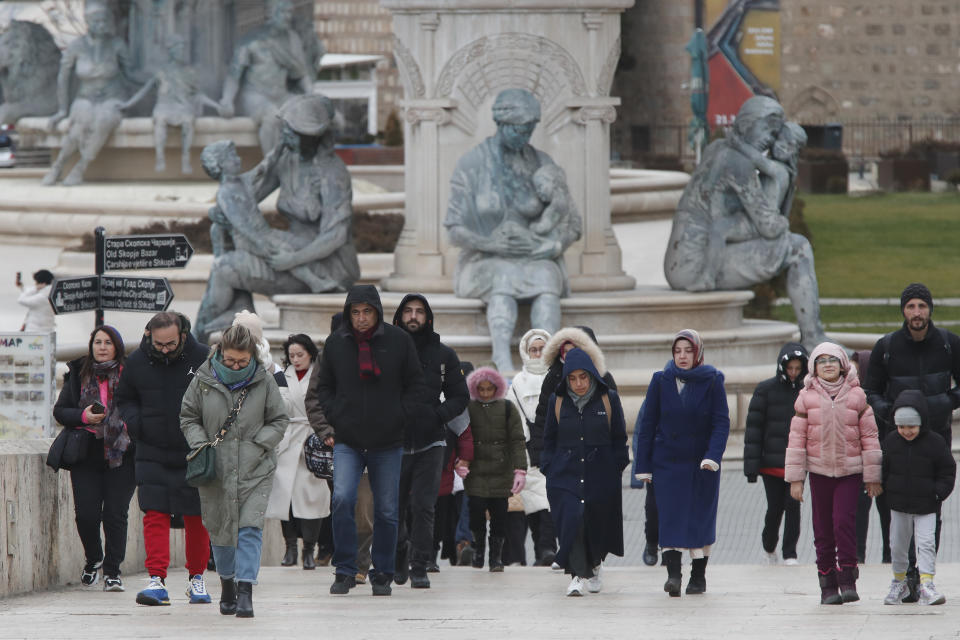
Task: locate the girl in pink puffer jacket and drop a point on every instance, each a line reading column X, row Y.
column 833, row 436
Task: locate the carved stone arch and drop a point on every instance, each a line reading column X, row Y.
column 409, row 70
column 813, row 104
column 511, row 60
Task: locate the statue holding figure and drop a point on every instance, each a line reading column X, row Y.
column 100, row 62
column 512, row 216
column 732, row 227
column 316, row 253
column 263, row 71
column 29, row 59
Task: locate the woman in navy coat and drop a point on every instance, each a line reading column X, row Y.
column 683, row 433
column 584, row 455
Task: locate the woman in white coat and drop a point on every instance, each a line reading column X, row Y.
column 298, row 499
column 525, row 394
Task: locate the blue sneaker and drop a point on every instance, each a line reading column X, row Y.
column 155, row 593
column 197, row 590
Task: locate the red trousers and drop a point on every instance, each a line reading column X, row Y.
column 156, row 539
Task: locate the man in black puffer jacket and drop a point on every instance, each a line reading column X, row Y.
column 918, row 475
column 369, row 382
column 765, row 444
column 149, row 395
column 425, row 438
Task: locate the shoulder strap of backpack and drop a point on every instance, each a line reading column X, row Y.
column 886, row 348
column 606, row 405
column 556, row 408
column 946, row 341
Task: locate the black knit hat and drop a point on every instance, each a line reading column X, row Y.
column 916, row 290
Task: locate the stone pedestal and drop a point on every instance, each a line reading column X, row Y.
column 454, row 57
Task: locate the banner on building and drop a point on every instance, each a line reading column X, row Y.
column 27, row 384
column 743, row 45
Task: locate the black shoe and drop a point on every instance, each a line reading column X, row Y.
column 112, row 583
column 697, row 583
column 380, row 584
column 649, row 556
column 913, row 583
column 91, row 573
column 228, row 596
column 433, row 567
column 829, row 592
column 479, row 546
column 342, row 584
column 290, row 555
column 308, row 560
column 496, row 553
column 244, row 599
column 402, row 564
column 674, row 576
column 419, row 580
column 546, row 559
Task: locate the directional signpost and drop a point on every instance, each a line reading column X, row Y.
column 123, row 293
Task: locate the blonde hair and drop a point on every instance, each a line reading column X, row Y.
column 239, row 338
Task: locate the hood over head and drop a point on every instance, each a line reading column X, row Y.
column 362, row 293
column 582, row 338
column 488, row 374
column 914, row 399
column 792, row 351
column 579, row 359
column 398, row 314
column 830, row 349
column 539, row 365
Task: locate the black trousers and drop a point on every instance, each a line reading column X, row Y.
column 446, row 515
column 651, row 524
column 780, row 504
column 542, row 532
column 515, row 545
column 419, row 485
column 306, row 528
column 478, row 517
column 102, row 496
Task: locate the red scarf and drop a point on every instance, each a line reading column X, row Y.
column 368, row 366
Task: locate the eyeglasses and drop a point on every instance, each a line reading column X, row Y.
column 240, row 364
column 828, row 360
column 160, row 346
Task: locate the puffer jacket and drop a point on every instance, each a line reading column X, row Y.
column 833, row 437
column 498, row 445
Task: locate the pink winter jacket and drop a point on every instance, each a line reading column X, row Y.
column 833, row 437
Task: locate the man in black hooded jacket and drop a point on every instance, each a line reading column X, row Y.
column 368, row 383
column 425, row 438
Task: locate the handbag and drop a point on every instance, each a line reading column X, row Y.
column 202, row 461
column 318, row 457
column 68, row 448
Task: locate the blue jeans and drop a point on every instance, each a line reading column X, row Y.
column 463, row 523
column 242, row 561
column 383, row 470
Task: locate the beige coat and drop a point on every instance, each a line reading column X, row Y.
column 293, row 484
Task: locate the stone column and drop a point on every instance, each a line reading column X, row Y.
column 454, row 57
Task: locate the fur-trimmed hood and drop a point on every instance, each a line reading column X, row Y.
column 488, row 374
column 535, row 367
column 582, row 338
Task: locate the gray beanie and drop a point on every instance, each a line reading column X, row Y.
column 907, row 416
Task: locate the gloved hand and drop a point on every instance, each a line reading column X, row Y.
column 519, row 480
column 461, row 469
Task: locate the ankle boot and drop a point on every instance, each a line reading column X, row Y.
column 309, row 562
column 479, row 545
column 847, row 581
column 828, row 588
column 496, row 553
column 244, row 599
column 401, row 569
column 672, row 560
column 290, row 556
column 228, row 596
column 698, row 576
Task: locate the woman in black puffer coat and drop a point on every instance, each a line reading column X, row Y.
column 765, row 441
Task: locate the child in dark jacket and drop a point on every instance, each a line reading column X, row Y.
column 918, row 474
column 499, row 466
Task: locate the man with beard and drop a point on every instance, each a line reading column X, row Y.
column 425, row 439
column 918, row 356
column 149, row 396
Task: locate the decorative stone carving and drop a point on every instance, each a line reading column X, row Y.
column 605, row 113
column 29, row 59
column 605, row 78
column 409, row 70
column 731, row 229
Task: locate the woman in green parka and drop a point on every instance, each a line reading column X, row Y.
column 234, row 504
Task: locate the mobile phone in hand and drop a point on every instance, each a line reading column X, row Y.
column 97, row 407
column 19, row 279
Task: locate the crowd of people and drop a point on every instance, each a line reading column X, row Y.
column 435, row 459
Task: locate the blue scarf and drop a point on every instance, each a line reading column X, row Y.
column 232, row 379
column 700, row 373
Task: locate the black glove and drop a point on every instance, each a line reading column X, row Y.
column 752, row 478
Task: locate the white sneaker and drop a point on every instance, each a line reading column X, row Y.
column 555, row 567
column 929, row 594
column 770, row 557
column 575, row 588
column 898, row 591
column 791, row 562
column 197, row 590
column 595, row 583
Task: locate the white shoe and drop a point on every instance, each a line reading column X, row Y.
column 595, row 583
column 791, row 562
column 555, row 567
column 575, row 588
column 770, row 556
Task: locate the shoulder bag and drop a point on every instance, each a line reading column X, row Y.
column 318, row 457
column 68, row 448
column 202, row 461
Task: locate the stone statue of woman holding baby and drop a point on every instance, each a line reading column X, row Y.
column 512, row 216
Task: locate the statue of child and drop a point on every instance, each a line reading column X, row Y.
column 550, row 183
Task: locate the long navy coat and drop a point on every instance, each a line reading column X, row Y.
column 677, row 432
column 583, row 459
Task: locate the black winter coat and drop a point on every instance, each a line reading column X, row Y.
column 441, row 374
column 928, row 365
column 149, row 396
column 768, row 418
column 68, row 412
column 371, row 413
column 919, row 474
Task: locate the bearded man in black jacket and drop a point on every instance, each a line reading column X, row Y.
column 425, row 439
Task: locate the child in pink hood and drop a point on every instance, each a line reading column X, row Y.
column 833, row 436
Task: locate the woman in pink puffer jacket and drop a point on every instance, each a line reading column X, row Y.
column 833, row 436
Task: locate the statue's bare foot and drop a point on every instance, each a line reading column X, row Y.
column 160, row 166
column 185, row 167
column 51, row 177
column 74, row 178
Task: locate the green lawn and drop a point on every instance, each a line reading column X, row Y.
column 872, row 246
column 870, row 318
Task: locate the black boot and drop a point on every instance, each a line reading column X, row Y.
column 828, row 588
column 847, row 580
column 672, row 560
column 290, row 556
column 309, row 562
column 913, row 583
column 228, row 596
column 496, row 553
column 401, row 569
column 698, row 576
column 479, row 545
column 244, row 599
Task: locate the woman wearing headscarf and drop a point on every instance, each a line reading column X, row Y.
column 584, row 455
column 683, row 434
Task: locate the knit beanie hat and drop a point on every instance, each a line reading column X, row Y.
column 907, row 416
column 916, row 290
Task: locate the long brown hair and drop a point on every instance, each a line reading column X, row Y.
column 86, row 369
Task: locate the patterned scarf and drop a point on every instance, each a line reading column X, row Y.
column 111, row 429
column 368, row 366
